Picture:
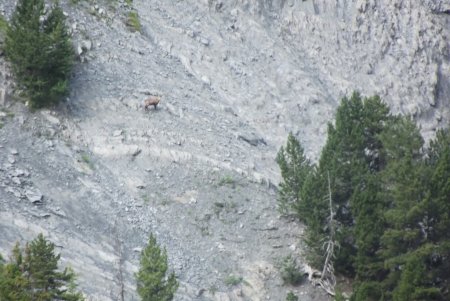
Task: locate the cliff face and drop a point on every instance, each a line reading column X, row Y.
column 199, row 172
column 294, row 60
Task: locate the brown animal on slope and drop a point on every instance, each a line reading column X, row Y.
column 151, row 101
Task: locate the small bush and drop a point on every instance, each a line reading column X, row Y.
column 233, row 280
column 227, row 180
column 133, row 21
column 291, row 297
column 290, row 271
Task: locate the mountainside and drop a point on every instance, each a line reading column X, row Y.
column 98, row 173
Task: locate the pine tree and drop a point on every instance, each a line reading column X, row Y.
column 351, row 154
column 33, row 275
column 13, row 284
column 153, row 282
column 295, row 169
column 41, row 265
column 39, row 48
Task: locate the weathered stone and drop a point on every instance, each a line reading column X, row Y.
column 52, row 119
column 16, row 181
column 18, row 173
column 252, row 139
column 11, row 159
column 34, row 196
column 204, row 41
column 117, row 133
column 206, row 80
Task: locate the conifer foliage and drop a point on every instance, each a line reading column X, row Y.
column 153, row 281
column 40, row 51
column 33, row 274
column 295, row 168
column 391, row 201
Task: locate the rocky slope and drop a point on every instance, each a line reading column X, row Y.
column 98, row 174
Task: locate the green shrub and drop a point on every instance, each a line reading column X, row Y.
column 290, row 271
column 40, row 51
column 133, row 21
column 291, row 297
column 227, row 180
column 233, row 280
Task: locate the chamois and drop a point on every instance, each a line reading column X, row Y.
column 151, row 101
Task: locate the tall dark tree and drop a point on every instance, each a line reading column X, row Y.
column 391, row 204
column 351, row 154
column 153, row 281
column 39, row 49
column 419, row 242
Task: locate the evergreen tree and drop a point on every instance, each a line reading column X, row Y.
column 392, row 203
column 39, row 48
column 41, row 265
column 13, row 284
column 153, row 282
column 351, row 154
column 33, row 275
column 295, row 168
column 404, row 180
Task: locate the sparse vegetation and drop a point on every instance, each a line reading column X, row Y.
column 40, row 51
column 227, row 180
column 291, row 297
column 85, row 158
column 133, row 22
column 4, row 114
column 290, row 271
column 212, row 290
column 145, row 198
column 233, row 280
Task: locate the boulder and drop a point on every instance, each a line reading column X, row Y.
column 34, row 195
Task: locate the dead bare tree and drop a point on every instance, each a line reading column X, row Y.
column 327, row 279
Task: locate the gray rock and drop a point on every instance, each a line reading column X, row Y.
column 34, row 195
column 204, row 41
column 136, row 152
column 252, row 139
column 52, row 119
column 57, row 211
column 206, row 80
column 11, row 159
column 19, row 173
column 16, row 181
column 117, row 133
